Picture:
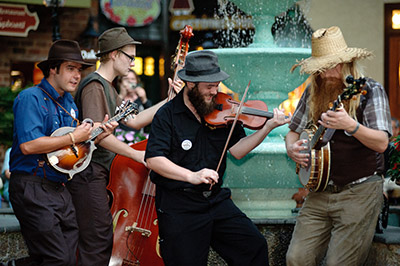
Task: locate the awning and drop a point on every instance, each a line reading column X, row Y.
column 67, row 3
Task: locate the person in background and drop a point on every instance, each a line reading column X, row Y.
column 130, row 89
column 96, row 97
column 339, row 223
column 5, row 175
column 38, row 196
column 194, row 211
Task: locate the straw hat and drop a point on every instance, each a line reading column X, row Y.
column 328, row 49
column 113, row 39
column 64, row 50
column 202, row 66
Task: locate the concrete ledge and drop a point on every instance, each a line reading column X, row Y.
column 390, row 235
column 385, row 249
column 12, row 247
column 278, row 233
column 8, row 221
column 394, row 209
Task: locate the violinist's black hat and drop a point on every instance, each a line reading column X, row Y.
column 202, row 66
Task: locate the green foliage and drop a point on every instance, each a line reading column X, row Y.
column 394, row 160
column 7, row 117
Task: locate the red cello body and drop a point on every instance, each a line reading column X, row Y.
column 133, row 212
column 133, row 208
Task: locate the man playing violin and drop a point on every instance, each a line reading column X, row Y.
column 194, row 212
column 339, row 223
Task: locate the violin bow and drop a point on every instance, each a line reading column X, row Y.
column 232, row 128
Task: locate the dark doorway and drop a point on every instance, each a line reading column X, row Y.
column 392, row 61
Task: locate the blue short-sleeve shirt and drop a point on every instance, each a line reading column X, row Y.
column 35, row 116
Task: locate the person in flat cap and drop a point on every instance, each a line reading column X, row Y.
column 96, row 96
column 38, row 196
column 194, row 211
column 340, row 213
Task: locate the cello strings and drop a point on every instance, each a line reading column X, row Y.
column 150, row 187
column 143, row 215
column 145, row 201
column 142, row 203
column 149, row 204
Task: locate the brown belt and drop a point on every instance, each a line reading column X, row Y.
column 336, row 189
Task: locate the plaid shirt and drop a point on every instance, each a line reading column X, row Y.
column 376, row 114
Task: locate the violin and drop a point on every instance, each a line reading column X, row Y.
column 254, row 113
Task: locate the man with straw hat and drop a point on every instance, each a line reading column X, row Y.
column 194, row 212
column 340, row 221
column 96, row 97
column 40, row 201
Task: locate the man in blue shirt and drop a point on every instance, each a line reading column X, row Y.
column 38, row 195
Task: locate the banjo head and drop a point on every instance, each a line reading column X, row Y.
column 304, row 172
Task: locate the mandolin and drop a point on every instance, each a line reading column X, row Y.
column 315, row 176
column 73, row 159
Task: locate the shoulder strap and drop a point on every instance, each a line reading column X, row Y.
column 59, row 105
column 89, row 78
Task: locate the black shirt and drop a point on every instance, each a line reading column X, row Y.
column 177, row 135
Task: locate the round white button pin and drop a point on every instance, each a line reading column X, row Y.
column 186, row 145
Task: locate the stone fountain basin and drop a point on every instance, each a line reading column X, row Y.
column 264, row 181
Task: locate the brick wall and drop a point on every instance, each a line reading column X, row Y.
column 35, row 46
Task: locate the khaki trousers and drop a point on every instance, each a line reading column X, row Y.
column 340, row 226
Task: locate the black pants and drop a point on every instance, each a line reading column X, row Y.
column 89, row 194
column 191, row 222
column 47, row 219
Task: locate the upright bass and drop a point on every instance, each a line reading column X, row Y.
column 133, row 209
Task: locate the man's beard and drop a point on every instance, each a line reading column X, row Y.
column 202, row 107
column 327, row 91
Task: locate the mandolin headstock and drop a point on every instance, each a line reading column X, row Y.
column 125, row 111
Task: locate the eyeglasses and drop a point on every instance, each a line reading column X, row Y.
column 131, row 58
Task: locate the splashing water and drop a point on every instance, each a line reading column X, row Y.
column 291, row 28
column 234, row 33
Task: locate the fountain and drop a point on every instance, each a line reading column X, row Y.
column 264, row 181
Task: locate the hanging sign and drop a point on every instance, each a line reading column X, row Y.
column 17, row 20
column 131, row 13
column 181, row 7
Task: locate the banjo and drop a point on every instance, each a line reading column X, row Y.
column 315, row 175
